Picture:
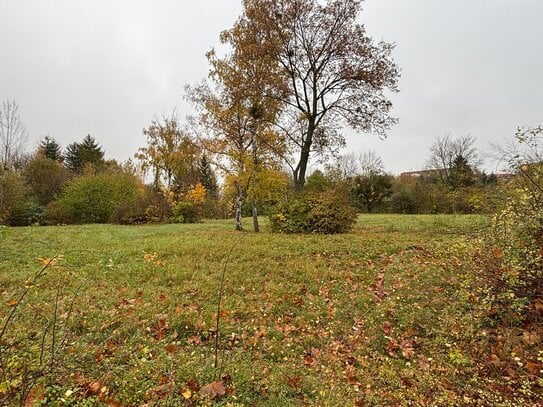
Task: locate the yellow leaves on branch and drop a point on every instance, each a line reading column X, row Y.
column 197, row 194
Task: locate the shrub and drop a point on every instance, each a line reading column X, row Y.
column 331, row 212
column 17, row 205
column 56, row 214
column 516, row 237
column 187, row 212
column 46, row 177
column 328, row 211
column 292, row 216
column 95, row 198
column 160, row 205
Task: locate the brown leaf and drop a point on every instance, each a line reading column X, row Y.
column 493, row 359
column 392, row 347
column 213, row 390
column 538, row 307
column 497, row 253
column 193, row 385
column 387, row 327
column 12, row 303
column 407, row 348
column 534, row 368
column 34, row 396
column 293, row 381
column 407, row 381
column 531, row 337
column 94, row 387
column 308, row 360
column 171, row 348
column 424, row 363
column 194, row 340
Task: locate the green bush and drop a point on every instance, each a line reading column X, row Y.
column 46, row 178
column 96, row 198
column 328, row 211
column 17, row 204
column 331, row 212
column 292, row 217
column 187, row 212
column 56, row 214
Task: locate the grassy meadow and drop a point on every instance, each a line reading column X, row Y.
column 380, row 316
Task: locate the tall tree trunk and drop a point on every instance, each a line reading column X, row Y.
column 300, row 172
column 238, row 207
column 256, row 227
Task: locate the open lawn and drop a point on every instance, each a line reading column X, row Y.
column 380, row 316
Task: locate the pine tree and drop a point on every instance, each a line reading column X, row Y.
column 50, row 149
column 79, row 155
column 207, row 177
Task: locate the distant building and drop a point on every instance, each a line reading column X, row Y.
column 503, row 177
column 421, row 173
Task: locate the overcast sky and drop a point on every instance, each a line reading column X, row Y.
column 106, row 68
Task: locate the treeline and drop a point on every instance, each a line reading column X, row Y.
column 78, row 185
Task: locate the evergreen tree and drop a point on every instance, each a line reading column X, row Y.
column 207, row 177
column 50, row 149
column 88, row 152
column 461, row 174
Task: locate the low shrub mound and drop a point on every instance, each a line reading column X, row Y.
column 328, row 212
column 97, row 198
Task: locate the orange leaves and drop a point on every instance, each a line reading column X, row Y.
column 534, row 368
column 12, row 303
column 49, row 262
column 152, row 258
column 497, row 253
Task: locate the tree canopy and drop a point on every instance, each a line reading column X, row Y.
column 329, row 71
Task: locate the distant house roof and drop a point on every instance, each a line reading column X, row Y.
column 420, row 173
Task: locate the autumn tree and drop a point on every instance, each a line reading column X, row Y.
column 46, row 178
column 87, row 153
column 237, row 111
column 170, row 152
column 13, row 134
column 330, row 72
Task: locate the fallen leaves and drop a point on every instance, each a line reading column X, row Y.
column 294, row 382
column 213, row 390
column 405, row 347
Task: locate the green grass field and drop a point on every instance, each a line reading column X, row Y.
column 380, row 316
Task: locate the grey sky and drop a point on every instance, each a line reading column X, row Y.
column 108, row 67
